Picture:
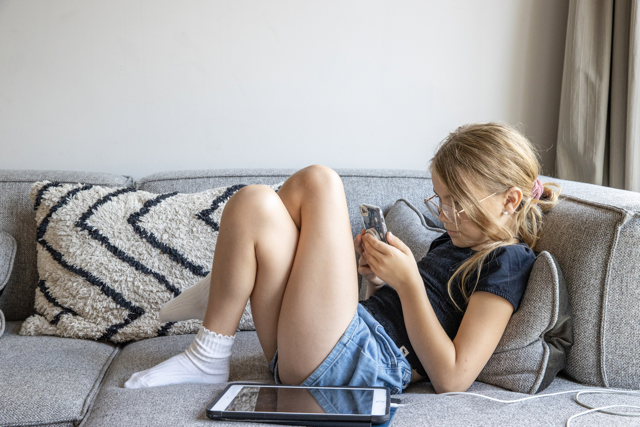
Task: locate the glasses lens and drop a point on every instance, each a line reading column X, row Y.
column 432, row 209
column 449, row 213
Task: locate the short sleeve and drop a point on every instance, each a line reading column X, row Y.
column 506, row 273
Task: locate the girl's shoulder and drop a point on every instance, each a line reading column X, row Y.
column 506, row 272
column 518, row 255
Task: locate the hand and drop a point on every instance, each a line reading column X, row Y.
column 363, row 265
column 393, row 263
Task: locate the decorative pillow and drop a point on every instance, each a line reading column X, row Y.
column 8, row 248
column 534, row 346
column 109, row 258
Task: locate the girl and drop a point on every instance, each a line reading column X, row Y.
column 439, row 319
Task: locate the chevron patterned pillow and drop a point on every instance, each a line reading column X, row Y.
column 109, row 258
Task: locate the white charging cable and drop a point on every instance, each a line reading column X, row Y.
column 576, row 398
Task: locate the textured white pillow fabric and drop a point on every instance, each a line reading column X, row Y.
column 109, row 258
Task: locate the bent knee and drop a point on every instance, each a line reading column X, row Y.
column 319, row 176
column 257, row 196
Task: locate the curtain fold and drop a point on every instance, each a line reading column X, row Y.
column 599, row 129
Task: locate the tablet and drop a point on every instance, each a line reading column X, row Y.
column 284, row 404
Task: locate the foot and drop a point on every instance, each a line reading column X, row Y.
column 206, row 361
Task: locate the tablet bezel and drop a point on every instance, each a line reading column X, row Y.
column 216, row 409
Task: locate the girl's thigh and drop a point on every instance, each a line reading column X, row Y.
column 321, row 296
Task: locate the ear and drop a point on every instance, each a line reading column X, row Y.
column 513, row 199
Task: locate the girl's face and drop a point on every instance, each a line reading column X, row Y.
column 467, row 234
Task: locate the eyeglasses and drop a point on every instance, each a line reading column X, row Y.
column 451, row 213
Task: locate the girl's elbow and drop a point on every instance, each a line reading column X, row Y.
column 451, row 387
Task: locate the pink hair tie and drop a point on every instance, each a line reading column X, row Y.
column 538, row 188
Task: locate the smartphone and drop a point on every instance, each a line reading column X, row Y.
column 296, row 405
column 373, row 221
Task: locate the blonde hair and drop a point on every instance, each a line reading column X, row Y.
column 494, row 157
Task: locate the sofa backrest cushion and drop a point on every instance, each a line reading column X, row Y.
column 594, row 234
column 18, row 219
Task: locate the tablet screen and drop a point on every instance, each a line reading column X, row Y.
column 300, row 400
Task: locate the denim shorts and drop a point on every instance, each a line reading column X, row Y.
column 364, row 356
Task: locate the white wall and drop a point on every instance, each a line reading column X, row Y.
column 136, row 87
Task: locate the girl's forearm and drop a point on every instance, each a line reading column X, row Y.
column 432, row 345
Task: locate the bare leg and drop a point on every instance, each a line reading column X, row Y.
column 312, row 274
column 292, row 252
column 321, row 295
column 254, row 253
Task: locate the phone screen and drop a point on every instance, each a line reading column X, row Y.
column 302, row 400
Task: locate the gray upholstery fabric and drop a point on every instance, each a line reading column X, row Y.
column 424, row 408
column 49, row 379
column 7, row 257
column 17, row 219
column 173, row 405
column 593, row 233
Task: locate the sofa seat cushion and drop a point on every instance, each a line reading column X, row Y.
column 49, row 380
column 180, row 404
column 425, row 408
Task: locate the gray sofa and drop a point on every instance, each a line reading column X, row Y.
column 594, row 233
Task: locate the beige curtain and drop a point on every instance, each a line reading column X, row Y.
column 599, row 127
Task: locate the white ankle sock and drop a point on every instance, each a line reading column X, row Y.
column 190, row 304
column 206, row 361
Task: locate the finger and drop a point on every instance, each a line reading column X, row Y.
column 373, row 259
column 398, row 244
column 364, row 270
column 363, row 260
column 378, row 246
column 358, row 245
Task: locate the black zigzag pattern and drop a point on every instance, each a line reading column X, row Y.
column 162, row 331
column 175, row 255
column 205, row 215
column 47, row 294
column 122, row 255
column 134, row 311
column 43, row 190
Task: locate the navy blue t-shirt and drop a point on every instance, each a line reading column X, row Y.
column 505, row 273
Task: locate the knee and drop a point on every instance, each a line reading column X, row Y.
column 253, row 199
column 319, row 176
